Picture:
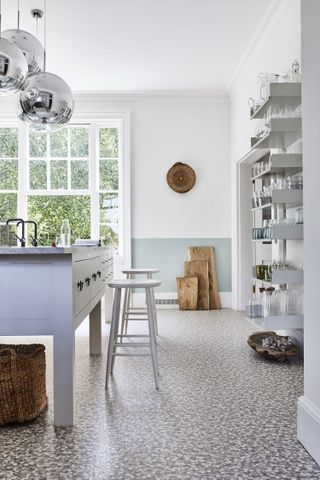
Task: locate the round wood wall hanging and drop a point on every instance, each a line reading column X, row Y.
column 181, row 177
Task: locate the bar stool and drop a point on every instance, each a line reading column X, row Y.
column 115, row 340
column 134, row 313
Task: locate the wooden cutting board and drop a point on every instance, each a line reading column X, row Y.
column 200, row 270
column 207, row 254
column 187, row 293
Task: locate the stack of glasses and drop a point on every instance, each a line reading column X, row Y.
column 272, row 302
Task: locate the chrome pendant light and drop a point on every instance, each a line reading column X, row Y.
column 46, row 101
column 30, row 45
column 13, row 66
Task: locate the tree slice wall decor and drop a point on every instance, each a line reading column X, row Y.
column 181, row 177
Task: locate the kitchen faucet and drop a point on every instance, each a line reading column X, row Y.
column 34, row 241
column 22, row 240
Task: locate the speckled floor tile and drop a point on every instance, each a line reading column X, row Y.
column 222, row 412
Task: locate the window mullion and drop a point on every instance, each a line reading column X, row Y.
column 48, row 162
column 22, row 172
column 93, row 180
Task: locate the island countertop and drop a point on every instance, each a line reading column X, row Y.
column 74, row 249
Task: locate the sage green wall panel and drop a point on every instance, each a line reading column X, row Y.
column 169, row 254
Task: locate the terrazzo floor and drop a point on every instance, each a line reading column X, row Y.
column 222, row 412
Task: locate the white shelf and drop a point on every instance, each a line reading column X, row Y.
column 254, row 155
column 280, row 94
column 290, row 276
column 291, row 196
column 283, row 132
column 282, row 164
column 279, row 322
column 287, row 232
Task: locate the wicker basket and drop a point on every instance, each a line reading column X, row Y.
column 22, row 382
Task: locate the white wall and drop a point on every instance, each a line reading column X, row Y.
column 309, row 404
column 168, row 130
column 273, row 50
column 165, row 130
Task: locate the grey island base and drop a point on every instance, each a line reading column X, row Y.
column 50, row 291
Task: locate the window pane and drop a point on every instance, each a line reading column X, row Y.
column 109, row 175
column 38, row 175
column 79, row 174
column 109, row 210
column 59, row 143
column 79, row 142
column 59, row 174
column 8, row 142
column 49, row 211
column 109, row 235
column 8, row 174
column 8, row 206
column 108, row 141
column 37, row 143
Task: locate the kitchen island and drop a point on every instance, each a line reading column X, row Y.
column 50, row 291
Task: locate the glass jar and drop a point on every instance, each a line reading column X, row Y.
column 65, row 233
column 299, row 215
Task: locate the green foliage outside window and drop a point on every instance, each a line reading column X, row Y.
column 49, row 211
column 59, row 144
column 8, row 206
column 109, row 142
column 38, row 174
column 37, row 143
column 79, row 142
column 59, row 174
column 109, row 175
column 8, row 174
column 8, row 143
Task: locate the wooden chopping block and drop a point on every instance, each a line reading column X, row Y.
column 207, row 254
column 200, row 270
column 187, row 293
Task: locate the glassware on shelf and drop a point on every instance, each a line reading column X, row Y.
column 295, row 72
column 299, row 215
column 65, row 233
column 271, row 302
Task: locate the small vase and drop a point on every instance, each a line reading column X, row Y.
column 65, row 233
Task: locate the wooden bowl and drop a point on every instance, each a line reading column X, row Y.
column 255, row 342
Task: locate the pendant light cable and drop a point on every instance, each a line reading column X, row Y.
column 44, row 37
column 18, row 15
column 0, row 17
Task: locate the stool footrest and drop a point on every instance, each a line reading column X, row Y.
column 131, row 354
column 133, row 336
column 137, row 319
column 133, row 344
column 132, row 314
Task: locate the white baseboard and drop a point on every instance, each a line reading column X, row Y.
column 139, row 299
column 309, row 427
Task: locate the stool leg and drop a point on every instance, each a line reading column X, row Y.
column 115, row 315
column 115, row 337
column 127, row 310
column 153, row 346
column 124, row 313
column 154, row 307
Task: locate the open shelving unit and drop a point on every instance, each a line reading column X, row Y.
column 271, row 164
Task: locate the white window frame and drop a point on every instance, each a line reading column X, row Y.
column 121, row 120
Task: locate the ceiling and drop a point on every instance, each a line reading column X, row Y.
column 144, row 45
